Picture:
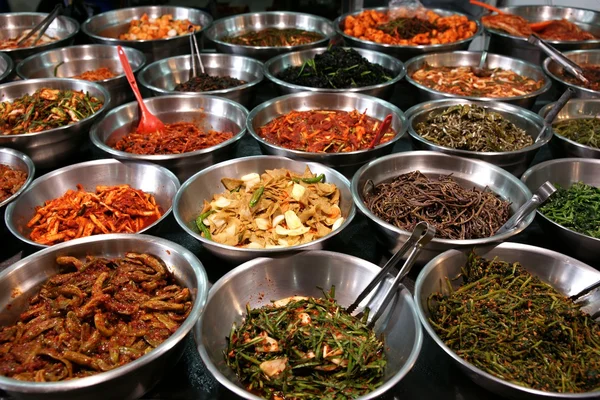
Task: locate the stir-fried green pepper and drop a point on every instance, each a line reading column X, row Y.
column 200, row 224
column 316, row 179
column 256, row 196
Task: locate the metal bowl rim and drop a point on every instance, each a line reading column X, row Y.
column 107, row 161
column 338, row 21
column 86, row 23
column 548, row 60
column 176, row 337
column 82, row 46
column 210, row 34
column 358, row 200
column 30, row 173
column 425, row 322
column 259, row 252
column 96, row 86
column 545, row 87
column 10, row 66
column 95, row 138
column 418, row 110
column 141, row 79
column 351, row 260
column 332, row 156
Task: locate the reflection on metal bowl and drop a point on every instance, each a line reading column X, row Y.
column 6, row 67
column 20, row 162
column 579, row 57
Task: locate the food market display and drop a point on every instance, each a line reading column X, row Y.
column 585, row 131
column 427, row 28
column 12, row 43
column 274, row 37
column 92, row 318
column 98, row 74
column 163, row 27
column 590, row 71
column 462, row 81
column 278, row 208
column 324, row 131
column 204, row 82
column 11, row 180
column 46, row 109
column 558, row 29
column 274, row 354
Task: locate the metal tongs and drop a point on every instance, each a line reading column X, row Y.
column 419, row 238
column 540, row 197
column 42, row 27
column 559, row 57
column 195, row 53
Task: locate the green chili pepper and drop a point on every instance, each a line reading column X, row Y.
column 315, row 179
column 200, row 224
column 256, row 196
column 57, row 66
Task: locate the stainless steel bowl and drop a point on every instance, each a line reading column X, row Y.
column 6, row 67
column 467, row 172
column 239, row 24
column 518, row 47
column 74, row 60
column 52, row 147
column 20, row 162
column 302, row 275
column 284, row 61
column 575, row 108
column 105, row 28
column 131, row 380
column 13, row 24
column 565, row 172
column 403, row 53
column 347, row 163
column 150, row 178
column 161, row 77
column 202, row 186
column 580, row 57
column 209, row 111
column 471, row 58
column 515, row 162
column 565, row 274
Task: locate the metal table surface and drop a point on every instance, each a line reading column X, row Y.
column 434, row 376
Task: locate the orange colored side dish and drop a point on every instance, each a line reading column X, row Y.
column 98, row 74
column 164, row 27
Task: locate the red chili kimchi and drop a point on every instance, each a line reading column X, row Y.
column 323, row 131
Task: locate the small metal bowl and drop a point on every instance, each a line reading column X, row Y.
column 575, row 108
column 565, row 274
column 346, row 163
column 161, row 77
column 74, row 60
column 105, row 28
column 202, row 186
column 259, row 281
column 515, row 162
column 52, row 147
column 467, row 172
column 552, row 69
column 6, row 67
column 239, row 24
column 133, row 379
column 403, row 53
column 471, row 58
column 211, row 112
column 13, row 24
column 565, row 172
column 18, row 161
column 150, row 178
column 284, row 61
column 516, row 46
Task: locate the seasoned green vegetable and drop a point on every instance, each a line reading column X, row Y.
column 585, row 131
column 576, row 208
column 200, row 224
column 306, row 348
column 473, row 128
column 316, row 179
column 510, row 324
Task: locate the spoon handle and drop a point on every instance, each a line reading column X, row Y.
column 131, row 79
column 543, row 193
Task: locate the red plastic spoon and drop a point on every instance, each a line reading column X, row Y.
column 383, row 128
column 149, row 123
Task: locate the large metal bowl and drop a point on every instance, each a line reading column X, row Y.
column 403, row 53
column 239, row 24
column 105, row 28
column 518, row 47
column 515, row 162
column 150, row 178
column 565, row 274
column 74, row 60
column 202, row 186
column 161, row 77
column 347, row 163
column 209, row 111
column 471, row 58
column 467, row 172
column 13, row 24
column 52, row 147
column 552, row 68
column 284, row 61
column 259, row 281
column 20, row 162
column 575, row 108
column 565, row 172
column 131, row 380
column 6, row 67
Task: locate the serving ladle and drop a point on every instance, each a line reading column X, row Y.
column 571, row 67
column 480, row 71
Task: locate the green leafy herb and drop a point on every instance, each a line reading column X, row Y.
column 585, row 131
